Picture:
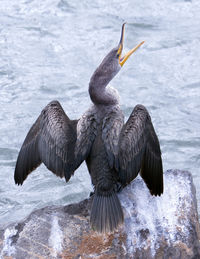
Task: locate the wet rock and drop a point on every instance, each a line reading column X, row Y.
column 154, row 227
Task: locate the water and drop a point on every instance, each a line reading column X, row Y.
column 50, row 48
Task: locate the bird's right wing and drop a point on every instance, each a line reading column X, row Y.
column 139, row 150
column 52, row 140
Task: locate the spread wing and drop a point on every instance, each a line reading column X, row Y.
column 51, row 140
column 139, row 150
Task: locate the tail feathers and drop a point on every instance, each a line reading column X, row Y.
column 106, row 213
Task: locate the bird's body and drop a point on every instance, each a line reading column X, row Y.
column 98, row 160
column 114, row 152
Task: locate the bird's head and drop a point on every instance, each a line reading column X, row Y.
column 112, row 63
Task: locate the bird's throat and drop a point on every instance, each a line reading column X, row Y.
column 103, row 95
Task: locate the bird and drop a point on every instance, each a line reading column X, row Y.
column 115, row 151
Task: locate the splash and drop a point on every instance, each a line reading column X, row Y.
column 149, row 219
column 56, row 237
column 8, row 248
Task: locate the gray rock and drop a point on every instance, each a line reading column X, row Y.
column 154, row 227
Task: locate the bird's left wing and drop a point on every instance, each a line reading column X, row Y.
column 139, row 150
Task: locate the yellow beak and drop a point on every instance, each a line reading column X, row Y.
column 123, row 59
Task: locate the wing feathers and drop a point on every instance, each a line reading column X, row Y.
column 51, row 140
column 86, row 133
column 139, row 149
column 28, row 158
column 151, row 172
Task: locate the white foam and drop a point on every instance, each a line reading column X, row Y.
column 56, row 236
column 149, row 218
column 8, row 248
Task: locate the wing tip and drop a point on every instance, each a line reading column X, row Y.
column 18, row 180
column 157, row 191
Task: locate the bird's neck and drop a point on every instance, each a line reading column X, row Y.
column 99, row 92
column 103, row 95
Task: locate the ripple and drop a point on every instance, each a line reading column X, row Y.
column 195, row 85
column 41, row 32
column 183, row 143
column 7, row 154
column 144, row 26
column 65, row 6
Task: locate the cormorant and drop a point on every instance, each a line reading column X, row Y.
column 115, row 152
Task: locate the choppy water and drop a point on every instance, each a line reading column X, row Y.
column 50, row 48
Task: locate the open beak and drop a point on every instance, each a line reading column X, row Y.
column 123, row 59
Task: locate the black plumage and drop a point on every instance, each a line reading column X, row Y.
column 114, row 152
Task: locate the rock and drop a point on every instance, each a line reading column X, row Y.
column 154, row 227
